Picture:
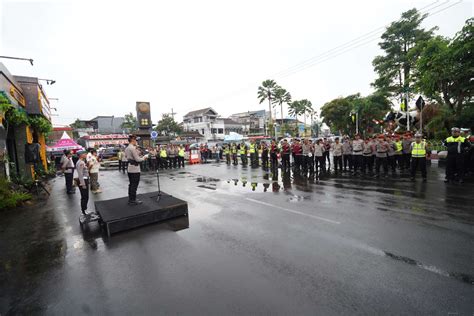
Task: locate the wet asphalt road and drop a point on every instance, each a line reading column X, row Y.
column 256, row 244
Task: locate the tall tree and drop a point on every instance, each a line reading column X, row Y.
column 295, row 109
column 336, row 114
column 280, row 97
column 168, row 126
column 306, row 108
column 129, row 122
column 399, row 42
column 266, row 92
column 444, row 74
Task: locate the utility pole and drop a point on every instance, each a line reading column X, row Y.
column 18, row 58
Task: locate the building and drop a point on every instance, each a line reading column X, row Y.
column 24, row 115
column 253, row 122
column 101, row 125
column 208, row 123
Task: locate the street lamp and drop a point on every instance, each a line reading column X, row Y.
column 355, row 115
column 48, row 81
column 18, row 58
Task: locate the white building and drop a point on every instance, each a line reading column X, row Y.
column 208, row 123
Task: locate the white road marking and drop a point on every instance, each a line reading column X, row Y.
column 293, row 211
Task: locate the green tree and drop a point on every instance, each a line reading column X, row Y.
column 336, row 114
column 306, row 108
column 168, row 126
column 78, row 124
column 129, row 122
column 280, row 97
column 295, row 109
column 444, row 74
column 399, row 42
column 266, row 92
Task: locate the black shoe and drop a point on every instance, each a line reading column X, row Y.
column 424, row 180
column 412, row 179
column 136, row 202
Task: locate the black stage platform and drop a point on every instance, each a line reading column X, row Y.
column 116, row 215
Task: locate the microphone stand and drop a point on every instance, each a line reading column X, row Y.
column 158, row 197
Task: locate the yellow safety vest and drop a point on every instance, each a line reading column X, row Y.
column 252, row 148
column 398, row 146
column 181, row 152
column 242, row 151
column 234, row 149
column 458, row 139
column 418, row 150
column 226, row 151
column 163, row 153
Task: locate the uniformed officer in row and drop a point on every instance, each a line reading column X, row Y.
column 457, row 147
column 134, row 159
column 418, row 157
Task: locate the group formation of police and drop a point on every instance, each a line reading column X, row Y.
column 160, row 157
column 373, row 156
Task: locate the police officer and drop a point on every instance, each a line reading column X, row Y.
column 347, row 154
column 264, row 149
column 163, row 157
column 67, row 166
column 392, row 164
column 243, row 154
column 381, row 156
column 457, row 146
column 253, row 154
column 181, row 153
column 367, row 154
column 234, row 154
column 418, row 157
column 357, row 153
column 398, row 151
column 134, row 160
column 274, row 155
column 83, row 179
column 285, row 156
column 406, row 150
column 336, row 148
column 227, row 154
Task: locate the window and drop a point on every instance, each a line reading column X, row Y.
column 213, row 130
column 220, row 131
column 202, row 131
column 198, row 119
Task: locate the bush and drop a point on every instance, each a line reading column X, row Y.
column 10, row 198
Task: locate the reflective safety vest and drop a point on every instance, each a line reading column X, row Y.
column 181, row 152
column 418, row 150
column 163, row 153
column 454, row 148
column 242, row 151
column 226, row 151
column 234, row 149
column 252, row 148
column 398, row 146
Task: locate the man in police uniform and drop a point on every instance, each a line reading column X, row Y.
column 418, row 157
column 457, row 146
column 134, row 159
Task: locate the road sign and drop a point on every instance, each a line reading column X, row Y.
column 154, row 134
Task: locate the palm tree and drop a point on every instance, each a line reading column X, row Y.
column 266, row 92
column 306, row 108
column 281, row 96
column 294, row 109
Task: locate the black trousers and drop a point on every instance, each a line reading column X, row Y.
column 274, row 160
column 347, row 159
column 234, row 159
column 326, row 157
column 123, row 165
column 320, row 162
column 180, row 162
column 310, row 164
column 337, row 162
column 368, row 164
column 399, row 161
column 227, row 159
column 68, row 178
column 418, row 163
column 392, row 164
column 358, row 162
column 265, row 160
column 134, row 179
column 454, row 165
column 285, row 162
column 84, row 195
column 298, row 162
column 406, row 161
column 381, row 161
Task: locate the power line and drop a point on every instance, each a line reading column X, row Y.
column 343, row 48
column 364, row 39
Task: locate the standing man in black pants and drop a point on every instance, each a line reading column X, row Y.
column 83, row 179
column 67, row 166
column 134, row 159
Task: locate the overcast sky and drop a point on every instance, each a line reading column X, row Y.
column 185, row 55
